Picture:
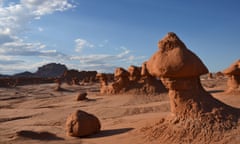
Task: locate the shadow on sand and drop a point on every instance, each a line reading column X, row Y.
column 38, row 135
column 215, row 91
column 106, row 133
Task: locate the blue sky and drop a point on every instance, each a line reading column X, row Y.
column 105, row 34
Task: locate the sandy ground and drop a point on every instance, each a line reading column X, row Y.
column 37, row 113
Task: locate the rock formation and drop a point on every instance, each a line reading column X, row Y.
column 210, row 75
column 195, row 112
column 133, row 81
column 219, row 75
column 233, row 73
column 134, row 73
column 121, row 82
column 50, row 70
column 81, row 124
column 74, row 76
column 103, row 82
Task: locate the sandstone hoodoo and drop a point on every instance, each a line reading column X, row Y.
column 134, row 73
column 135, row 80
column 233, row 73
column 103, row 82
column 81, row 124
column 195, row 113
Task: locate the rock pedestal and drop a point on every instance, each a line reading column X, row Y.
column 199, row 114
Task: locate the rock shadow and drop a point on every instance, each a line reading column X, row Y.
column 12, row 98
column 14, row 118
column 215, row 91
column 111, row 132
column 38, row 135
column 64, row 90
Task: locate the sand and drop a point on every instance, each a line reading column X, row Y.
column 37, row 113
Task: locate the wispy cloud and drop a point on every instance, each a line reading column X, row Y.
column 40, row 29
column 15, row 18
column 107, row 62
column 81, row 44
column 14, row 22
column 16, row 52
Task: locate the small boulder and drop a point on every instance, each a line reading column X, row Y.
column 82, row 96
column 81, row 124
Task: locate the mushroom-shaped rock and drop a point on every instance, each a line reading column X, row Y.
column 233, row 73
column 191, row 106
column 80, row 124
column 179, row 70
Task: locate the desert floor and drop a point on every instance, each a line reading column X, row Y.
column 37, row 113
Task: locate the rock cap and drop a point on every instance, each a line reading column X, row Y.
column 174, row 60
column 233, row 69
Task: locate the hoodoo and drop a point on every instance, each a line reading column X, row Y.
column 233, row 73
column 195, row 112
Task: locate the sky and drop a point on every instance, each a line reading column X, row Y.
column 104, row 34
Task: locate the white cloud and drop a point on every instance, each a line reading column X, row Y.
column 107, row 62
column 40, row 29
column 17, row 54
column 81, row 43
column 15, row 17
column 43, row 7
column 14, row 21
column 103, row 43
column 16, row 66
column 1, row 3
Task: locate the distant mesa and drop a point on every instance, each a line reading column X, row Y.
column 49, row 73
column 50, row 70
column 26, row 74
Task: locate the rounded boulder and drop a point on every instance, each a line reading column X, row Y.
column 81, row 124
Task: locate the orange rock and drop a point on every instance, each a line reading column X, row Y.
column 80, row 124
column 233, row 73
column 81, row 96
column 134, row 73
column 191, row 106
column 173, row 59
